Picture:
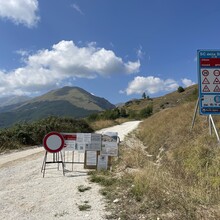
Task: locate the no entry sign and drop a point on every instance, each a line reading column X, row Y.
column 53, row 142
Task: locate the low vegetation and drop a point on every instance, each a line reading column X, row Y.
column 84, row 207
column 29, row 134
column 83, row 188
column 122, row 113
column 99, row 124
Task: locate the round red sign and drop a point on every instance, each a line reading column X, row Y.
column 53, row 142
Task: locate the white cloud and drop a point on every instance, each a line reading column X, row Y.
column 77, row 8
column 48, row 68
column 140, row 53
column 150, row 85
column 20, row 11
column 187, row 82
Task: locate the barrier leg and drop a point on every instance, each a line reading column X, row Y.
column 45, row 162
column 62, row 162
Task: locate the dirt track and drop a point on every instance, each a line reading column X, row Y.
column 24, row 194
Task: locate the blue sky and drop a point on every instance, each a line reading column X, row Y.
column 116, row 49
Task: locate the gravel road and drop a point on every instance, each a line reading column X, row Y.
column 122, row 129
column 25, row 194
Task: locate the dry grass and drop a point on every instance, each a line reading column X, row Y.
column 170, row 100
column 121, row 120
column 191, row 157
column 171, row 128
column 97, row 125
column 180, row 181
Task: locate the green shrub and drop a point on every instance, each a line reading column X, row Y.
column 146, row 112
column 27, row 134
column 93, row 117
column 180, row 89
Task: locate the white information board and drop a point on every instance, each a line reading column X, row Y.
column 102, row 162
column 70, row 141
column 109, row 144
column 91, row 158
column 82, row 141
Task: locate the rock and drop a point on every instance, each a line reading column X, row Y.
column 116, row 201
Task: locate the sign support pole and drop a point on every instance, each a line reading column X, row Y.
column 195, row 112
column 55, row 160
column 212, row 124
column 210, row 121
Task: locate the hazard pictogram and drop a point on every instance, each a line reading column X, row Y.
column 216, row 73
column 205, row 72
column 216, row 81
column 205, row 81
column 206, row 89
column 217, row 89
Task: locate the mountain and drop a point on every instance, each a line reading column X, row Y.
column 67, row 101
column 12, row 100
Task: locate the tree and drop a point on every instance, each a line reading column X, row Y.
column 180, row 89
column 144, row 95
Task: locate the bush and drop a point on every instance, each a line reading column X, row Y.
column 93, row 117
column 123, row 113
column 132, row 114
column 111, row 114
column 146, row 112
column 27, row 134
column 180, row 89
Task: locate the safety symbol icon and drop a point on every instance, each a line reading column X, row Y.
column 206, row 89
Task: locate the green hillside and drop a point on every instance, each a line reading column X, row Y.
column 39, row 110
column 65, row 102
column 76, row 96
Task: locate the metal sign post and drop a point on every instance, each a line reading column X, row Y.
column 195, row 112
column 212, row 124
column 209, row 86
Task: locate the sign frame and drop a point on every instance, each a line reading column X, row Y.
column 208, row 62
column 57, row 148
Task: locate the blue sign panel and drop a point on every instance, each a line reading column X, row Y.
column 209, row 81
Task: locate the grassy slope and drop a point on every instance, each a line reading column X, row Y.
column 193, row 158
column 180, row 180
column 167, row 101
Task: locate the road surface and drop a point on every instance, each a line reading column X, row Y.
column 122, row 129
column 25, row 194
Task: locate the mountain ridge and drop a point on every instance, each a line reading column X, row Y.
column 67, row 101
column 13, row 100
